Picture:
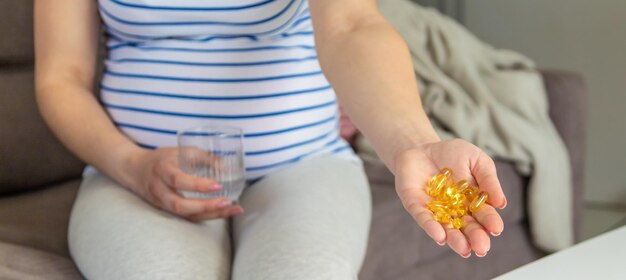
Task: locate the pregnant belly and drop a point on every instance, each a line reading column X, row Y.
column 285, row 113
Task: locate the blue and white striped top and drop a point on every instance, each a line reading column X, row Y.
column 245, row 63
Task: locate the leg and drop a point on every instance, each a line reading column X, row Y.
column 114, row 234
column 307, row 221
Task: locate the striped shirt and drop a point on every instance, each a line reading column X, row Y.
column 246, row 63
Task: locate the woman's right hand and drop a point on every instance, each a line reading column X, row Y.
column 155, row 176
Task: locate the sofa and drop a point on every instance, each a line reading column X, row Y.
column 39, row 179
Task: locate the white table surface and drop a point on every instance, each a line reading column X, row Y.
column 601, row 257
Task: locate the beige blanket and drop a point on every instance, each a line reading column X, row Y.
column 470, row 91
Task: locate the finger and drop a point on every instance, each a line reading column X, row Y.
column 173, row 202
column 187, row 207
column 489, row 219
column 457, row 242
column 218, row 214
column 484, row 171
column 413, row 200
column 477, row 236
column 177, row 179
column 195, row 156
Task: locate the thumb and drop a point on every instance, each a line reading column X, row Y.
column 484, row 171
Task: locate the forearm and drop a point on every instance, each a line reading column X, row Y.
column 66, row 38
column 75, row 116
column 369, row 66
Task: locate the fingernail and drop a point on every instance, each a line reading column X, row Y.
column 479, row 255
column 441, row 243
column 215, row 187
column 495, row 234
column 505, row 202
column 223, row 204
column 236, row 211
column 467, row 256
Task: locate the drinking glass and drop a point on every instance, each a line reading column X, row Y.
column 214, row 152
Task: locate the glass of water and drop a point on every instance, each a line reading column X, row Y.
column 214, row 152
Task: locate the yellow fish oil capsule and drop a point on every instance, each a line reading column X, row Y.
column 460, row 210
column 457, row 223
column 437, row 183
column 450, row 190
column 478, row 202
column 436, row 204
column 471, row 192
column 451, row 200
column 442, row 217
column 462, row 185
column 457, row 199
column 446, row 172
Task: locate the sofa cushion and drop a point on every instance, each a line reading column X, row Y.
column 510, row 250
column 39, row 219
column 568, row 98
column 19, row 262
column 30, row 156
column 16, row 27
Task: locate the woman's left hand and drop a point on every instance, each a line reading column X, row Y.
column 414, row 167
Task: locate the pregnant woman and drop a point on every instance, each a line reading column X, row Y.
column 271, row 68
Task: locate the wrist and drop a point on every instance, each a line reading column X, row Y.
column 127, row 167
column 400, row 154
column 415, row 140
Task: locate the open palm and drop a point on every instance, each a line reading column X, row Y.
column 414, row 167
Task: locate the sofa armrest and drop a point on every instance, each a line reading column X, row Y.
column 567, row 97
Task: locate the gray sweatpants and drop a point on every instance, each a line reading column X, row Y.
column 307, row 221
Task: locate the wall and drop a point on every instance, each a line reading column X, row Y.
column 580, row 35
